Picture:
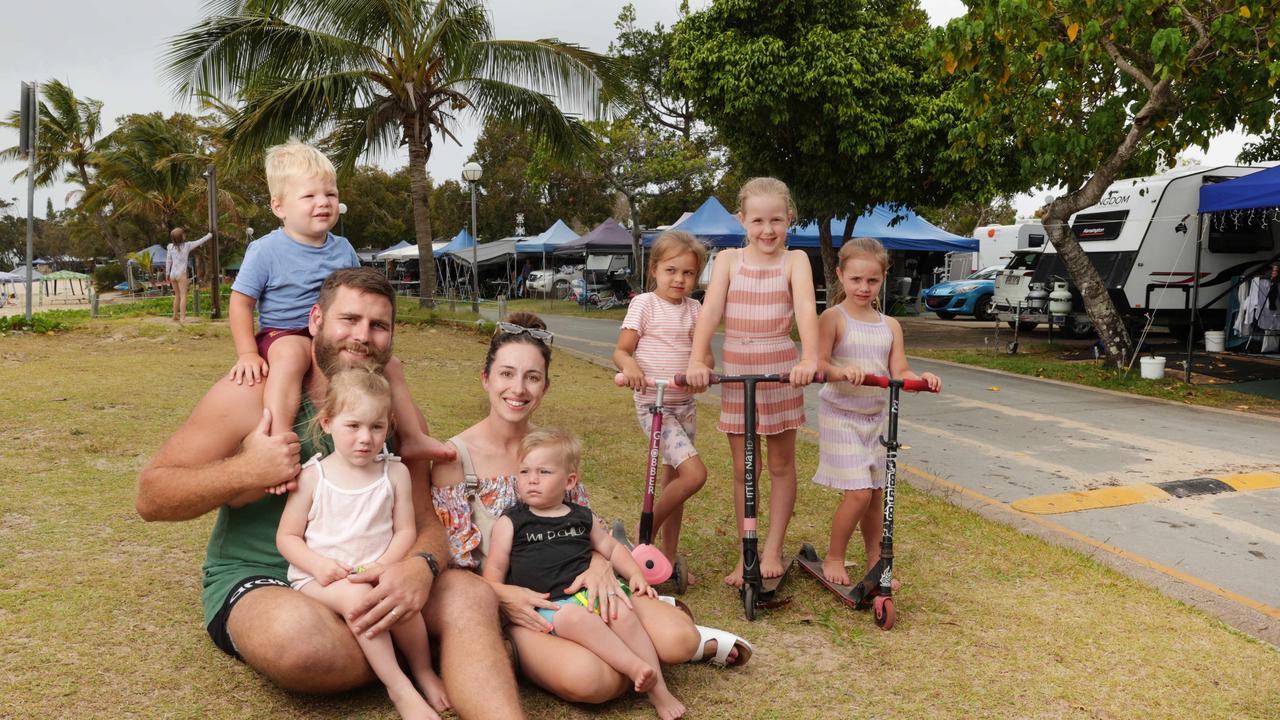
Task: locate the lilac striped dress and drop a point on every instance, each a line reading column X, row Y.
column 758, row 313
column 851, row 417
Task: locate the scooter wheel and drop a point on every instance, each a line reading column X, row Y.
column 749, row 597
column 680, row 575
column 884, row 613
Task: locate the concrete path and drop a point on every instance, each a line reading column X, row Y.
column 992, row 439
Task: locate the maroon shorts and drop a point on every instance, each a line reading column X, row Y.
column 266, row 336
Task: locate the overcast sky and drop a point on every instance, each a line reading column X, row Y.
column 112, row 52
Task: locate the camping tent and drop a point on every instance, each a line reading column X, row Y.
column 487, row 253
column 381, row 254
column 548, row 240
column 909, row 232
column 607, row 237
column 157, row 253
column 710, row 223
column 460, row 241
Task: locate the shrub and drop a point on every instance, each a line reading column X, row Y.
column 106, row 277
column 41, row 323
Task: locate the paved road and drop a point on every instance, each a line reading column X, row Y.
column 992, row 439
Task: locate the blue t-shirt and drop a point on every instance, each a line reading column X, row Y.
column 284, row 276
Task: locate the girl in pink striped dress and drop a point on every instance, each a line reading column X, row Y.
column 758, row 290
column 855, row 340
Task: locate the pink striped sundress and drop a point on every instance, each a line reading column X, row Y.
column 852, row 417
column 758, row 314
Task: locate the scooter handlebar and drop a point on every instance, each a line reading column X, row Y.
column 621, row 381
column 818, row 377
column 883, row 381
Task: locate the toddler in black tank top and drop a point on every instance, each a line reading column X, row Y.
column 544, row 543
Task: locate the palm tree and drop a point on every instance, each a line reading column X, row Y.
column 67, row 142
column 372, row 76
column 150, row 169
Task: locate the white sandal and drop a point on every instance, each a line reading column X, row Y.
column 725, row 643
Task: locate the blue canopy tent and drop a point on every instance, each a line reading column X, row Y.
column 711, row 224
column 909, row 232
column 461, row 241
column 548, row 240
column 1249, row 192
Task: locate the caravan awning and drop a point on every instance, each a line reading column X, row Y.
column 1249, row 192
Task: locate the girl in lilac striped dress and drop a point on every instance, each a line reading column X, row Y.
column 855, row 339
column 759, row 291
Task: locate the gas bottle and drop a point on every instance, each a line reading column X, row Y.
column 1037, row 297
column 1060, row 299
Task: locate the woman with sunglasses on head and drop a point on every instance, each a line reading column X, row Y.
column 474, row 490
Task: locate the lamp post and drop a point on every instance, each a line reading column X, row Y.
column 342, row 219
column 471, row 173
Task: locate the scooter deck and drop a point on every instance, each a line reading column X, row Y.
column 848, row 594
column 769, row 586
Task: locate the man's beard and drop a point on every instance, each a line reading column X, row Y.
column 329, row 354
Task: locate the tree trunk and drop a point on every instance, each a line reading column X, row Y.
column 420, row 191
column 637, row 274
column 835, row 294
column 1102, row 312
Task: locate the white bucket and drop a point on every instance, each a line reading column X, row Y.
column 1152, row 368
column 1215, row 341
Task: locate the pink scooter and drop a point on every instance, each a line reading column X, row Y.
column 655, row 566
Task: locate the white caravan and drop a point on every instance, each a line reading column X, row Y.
column 996, row 243
column 1141, row 236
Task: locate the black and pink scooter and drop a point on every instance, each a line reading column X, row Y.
column 875, row 591
column 656, row 567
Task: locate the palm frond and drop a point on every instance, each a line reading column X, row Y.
column 537, row 113
column 575, row 76
column 280, row 108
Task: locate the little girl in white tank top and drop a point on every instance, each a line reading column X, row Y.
column 352, row 513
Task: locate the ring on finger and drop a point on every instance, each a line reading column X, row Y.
column 395, row 613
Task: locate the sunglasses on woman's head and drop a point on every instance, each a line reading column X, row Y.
column 545, row 336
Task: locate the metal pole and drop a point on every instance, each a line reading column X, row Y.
column 475, row 262
column 215, row 267
column 1203, row 230
column 34, row 110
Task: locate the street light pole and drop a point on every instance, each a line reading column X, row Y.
column 342, row 219
column 471, row 172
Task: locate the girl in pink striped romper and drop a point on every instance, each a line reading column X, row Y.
column 758, row 290
column 855, row 340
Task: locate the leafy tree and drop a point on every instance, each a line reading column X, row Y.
column 372, row 76
column 834, row 97
column 639, row 163
column 506, row 154
column 379, row 208
column 1079, row 92
column 450, row 209
column 962, row 217
column 645, row 56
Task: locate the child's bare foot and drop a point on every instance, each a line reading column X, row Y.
column 410, row 704
column 668, row 707
column 833, row 570
column 645, row 677
column 433, row 688
column 734, row 578
column 771, row 564
column 417, row 445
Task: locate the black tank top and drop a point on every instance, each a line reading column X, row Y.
column 547, row 553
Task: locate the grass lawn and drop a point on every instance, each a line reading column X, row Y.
column 101, row 611
column 1041, row 360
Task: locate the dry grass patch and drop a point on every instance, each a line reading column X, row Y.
column 102, row 617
